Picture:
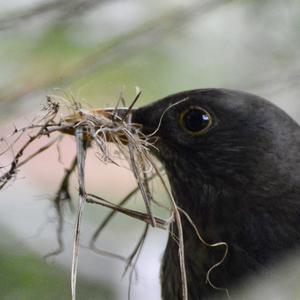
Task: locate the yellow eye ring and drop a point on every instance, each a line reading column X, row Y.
column 195, row 120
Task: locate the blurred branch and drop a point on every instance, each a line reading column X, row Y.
column 64, row 8
column 119, row 48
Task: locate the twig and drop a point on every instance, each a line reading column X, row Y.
column 15, row 163
column 140, row 183
column 39, row 151
column 178, row 223
column 160, row 223
column 102, row 127
column 136, row 248
column 63, row 192
column 61, row 195
column 136, row 253
column 81, row 155
column 132, row 104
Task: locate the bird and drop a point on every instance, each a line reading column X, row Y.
column 233, row 163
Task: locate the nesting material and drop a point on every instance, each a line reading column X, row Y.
column 96, row 128
column 91, row 128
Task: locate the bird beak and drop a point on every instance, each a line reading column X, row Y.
column 102, row 118
column 118, row 114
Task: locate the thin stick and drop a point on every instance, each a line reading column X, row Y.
column 181, row 251
column 140, row 184
column 113, row 213
column 132, row 104
column 63, row 192
column 110, row 254
column 10, row 146
column 136, row 248
column 109, row 216
column 120, row 100
column 132, row 213
column 39, row 151
column 180, row 236
column 4, row 179
column 59, row 230
column 81, row 155
column 136, row 253
column 61, row 195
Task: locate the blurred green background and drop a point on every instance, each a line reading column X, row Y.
column 93, row 50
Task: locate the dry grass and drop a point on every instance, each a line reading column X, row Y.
column 97, row 128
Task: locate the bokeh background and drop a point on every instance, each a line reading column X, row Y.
column 92, row 50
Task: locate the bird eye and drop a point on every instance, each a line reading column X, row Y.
column 195, row 120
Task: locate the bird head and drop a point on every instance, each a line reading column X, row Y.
column 222, row 138
column 233, row 164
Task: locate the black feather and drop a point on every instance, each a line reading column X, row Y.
column 239, row 182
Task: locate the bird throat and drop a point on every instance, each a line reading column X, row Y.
column 200, row 201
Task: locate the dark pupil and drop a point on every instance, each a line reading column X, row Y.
column 196, row 120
